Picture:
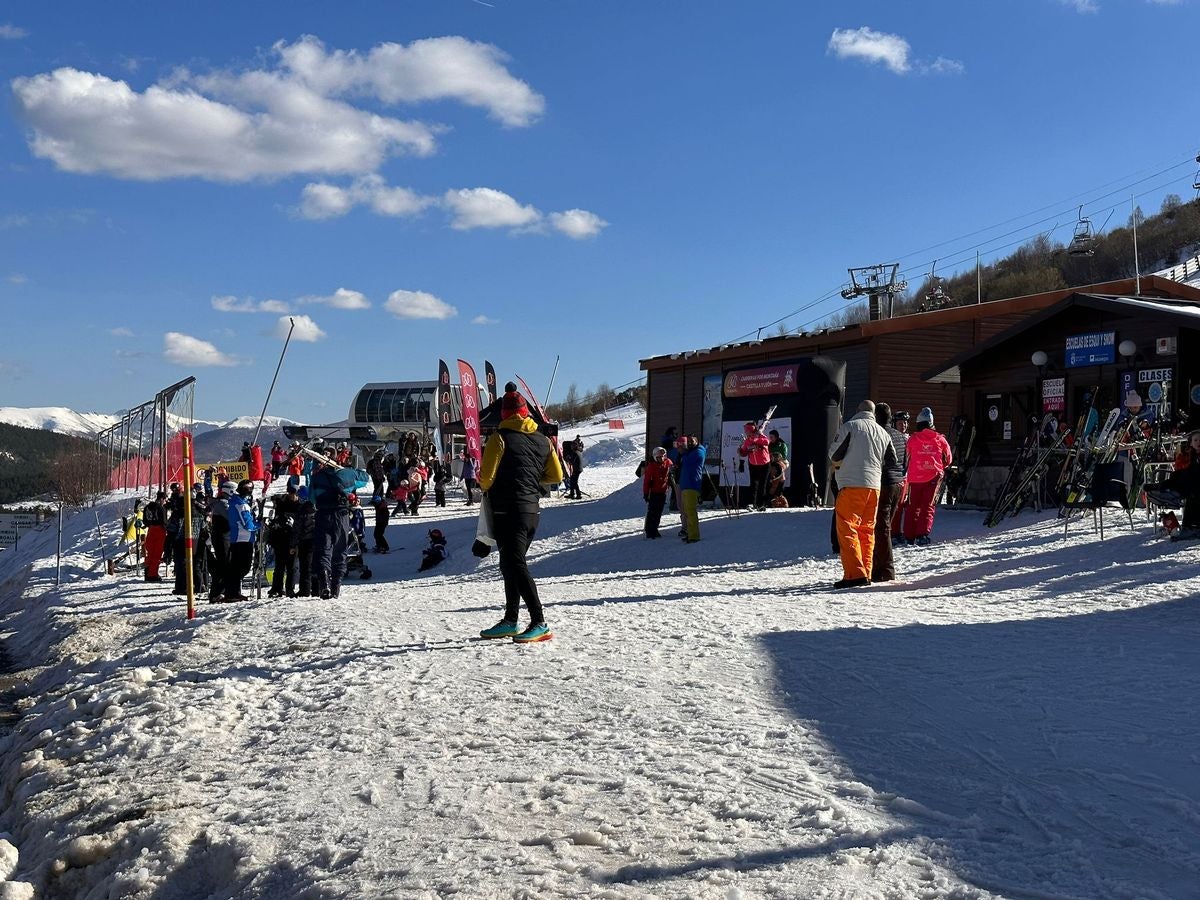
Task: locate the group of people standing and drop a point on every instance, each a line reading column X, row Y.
column 887, row 484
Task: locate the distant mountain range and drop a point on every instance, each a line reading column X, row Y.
column 214, row 440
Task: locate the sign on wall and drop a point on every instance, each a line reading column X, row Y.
column 762, row 381
column 1095, row 349
column 1147, row 392
column 1054, row 395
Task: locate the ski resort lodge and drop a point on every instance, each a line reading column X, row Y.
column 997, row 363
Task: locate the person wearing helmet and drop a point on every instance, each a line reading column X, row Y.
column 754, row 450
column 219, row 540
column 435, row 552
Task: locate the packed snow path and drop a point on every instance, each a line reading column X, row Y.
column 1015, row 718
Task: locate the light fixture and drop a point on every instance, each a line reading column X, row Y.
column 1127, row 348
column 1039, row 358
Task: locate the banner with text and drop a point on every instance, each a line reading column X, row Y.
column 757, row 382
column 470, row 407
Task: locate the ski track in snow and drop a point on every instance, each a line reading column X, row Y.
column 1016, row 717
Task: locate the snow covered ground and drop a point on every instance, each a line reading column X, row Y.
column 1016, row 717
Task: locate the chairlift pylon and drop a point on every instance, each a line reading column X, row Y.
column 1083, row 241
column 1196, row 180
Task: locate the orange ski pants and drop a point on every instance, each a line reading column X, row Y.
column 856, row 510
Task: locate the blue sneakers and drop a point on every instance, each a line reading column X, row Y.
column 538, row 632
column 502, row 629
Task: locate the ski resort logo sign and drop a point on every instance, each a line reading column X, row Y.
column 759, row 382
column 1093, row 349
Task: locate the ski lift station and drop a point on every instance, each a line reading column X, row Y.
column 974, row 360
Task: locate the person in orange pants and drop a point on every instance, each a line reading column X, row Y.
column 860, row 450
column 155, row 518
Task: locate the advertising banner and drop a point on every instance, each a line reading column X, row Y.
column 757, row 382
column 470, row 408
column 489, row 376
column 444, row 413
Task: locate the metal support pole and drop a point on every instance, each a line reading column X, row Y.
column 549, row 390
column 58, row 557
column 279, row 365
column 1137, row 269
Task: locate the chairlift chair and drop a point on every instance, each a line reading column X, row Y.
column 1196, row 180
column 1083, row 241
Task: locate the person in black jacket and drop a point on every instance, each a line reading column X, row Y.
column 883, row 566
column 306, row 527
column 284, row 537
column 219, row 540
column 573, row 457
column 382, row 515
column 518, row 462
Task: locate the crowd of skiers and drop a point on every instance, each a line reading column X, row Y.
column 884, row 480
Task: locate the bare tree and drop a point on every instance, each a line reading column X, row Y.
column 571, row 403
column 77, row 477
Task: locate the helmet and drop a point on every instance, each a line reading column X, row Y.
column 435, row 534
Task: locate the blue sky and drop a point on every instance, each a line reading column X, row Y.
column 520, row 180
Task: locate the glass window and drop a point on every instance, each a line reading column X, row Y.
column 373, row 405
column 396, row 412
column 424, row 402
column 360, row 406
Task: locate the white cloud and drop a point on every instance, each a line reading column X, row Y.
column 185, row 350
column 488, row 208
column 296, row 117
column 17, row 278
column 120, row 332
column 871, row 46
column 577, row 223
column 306, row 329
column 484, row 320
column 12, row 32
column 342, row 298
column 324, row 201
column 444, row 68
column 327, row 201
column 14, row 220
column 1082, row 6
column 418, row 305
column 943, row 66
column 232, row 304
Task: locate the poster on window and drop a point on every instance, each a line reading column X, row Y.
column 1054, row 395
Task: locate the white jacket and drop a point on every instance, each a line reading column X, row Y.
column 867, row 444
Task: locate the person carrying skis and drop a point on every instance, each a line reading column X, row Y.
column 861, row 449
column 518, row 461
column 656, row 481
column 928, row 455
column 755, row 449
column 691, row 480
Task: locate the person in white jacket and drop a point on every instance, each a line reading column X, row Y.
column 859, row 450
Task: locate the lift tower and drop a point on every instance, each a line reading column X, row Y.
column 879, row 284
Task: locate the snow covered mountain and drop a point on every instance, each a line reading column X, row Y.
column 63, row 420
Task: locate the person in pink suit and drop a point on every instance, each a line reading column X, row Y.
column 928, row 456
column 755, row 449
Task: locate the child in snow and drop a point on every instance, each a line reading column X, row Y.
column 435, row 552
column 358, row 522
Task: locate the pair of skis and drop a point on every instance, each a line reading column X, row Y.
column 1030, row 466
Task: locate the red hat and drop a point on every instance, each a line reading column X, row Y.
column 513, row 404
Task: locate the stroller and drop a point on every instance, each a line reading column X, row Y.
column 354, row 557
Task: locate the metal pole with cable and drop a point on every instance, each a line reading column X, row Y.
column 263, row 414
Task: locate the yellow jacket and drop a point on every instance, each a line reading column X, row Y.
column 494, row 449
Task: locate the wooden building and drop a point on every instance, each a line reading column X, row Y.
column 890, row 360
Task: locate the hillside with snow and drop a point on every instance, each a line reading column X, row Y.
column 1015, row 717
